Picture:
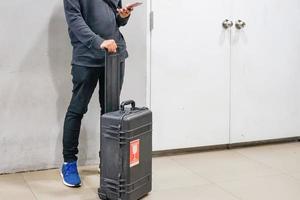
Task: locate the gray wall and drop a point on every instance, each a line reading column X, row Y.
column 35, row 84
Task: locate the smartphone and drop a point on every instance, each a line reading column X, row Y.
column 133, row 5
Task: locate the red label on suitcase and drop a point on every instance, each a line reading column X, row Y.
column 134, row 153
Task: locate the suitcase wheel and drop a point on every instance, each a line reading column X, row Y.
column 101, row 195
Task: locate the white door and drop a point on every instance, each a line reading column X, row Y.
column 190, row 70
column 265, row 101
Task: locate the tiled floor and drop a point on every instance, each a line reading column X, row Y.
column 258, row 173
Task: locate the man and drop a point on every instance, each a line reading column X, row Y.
column 93, row 28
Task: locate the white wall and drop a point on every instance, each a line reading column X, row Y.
column 35, row 84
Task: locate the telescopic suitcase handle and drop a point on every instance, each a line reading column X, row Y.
column 125, row 103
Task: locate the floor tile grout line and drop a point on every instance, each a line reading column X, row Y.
column 183, row 187
column 205, row 178
column 288, row 174
column 199, row 186
column 28, row 185
column 229, row 192
column 232, row 180
column 210, row 182
column 193, row 171
column 280, row 171
column 213, row 182
column 261, row 163
column 189, row 170
column 255, row 177
column 267, row 165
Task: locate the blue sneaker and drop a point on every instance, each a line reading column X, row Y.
column 69, row 174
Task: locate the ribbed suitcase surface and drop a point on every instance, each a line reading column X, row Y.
column 126, row 153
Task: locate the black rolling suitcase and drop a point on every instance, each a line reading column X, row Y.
column 126, row 145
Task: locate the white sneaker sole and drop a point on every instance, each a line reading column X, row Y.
column 67, row 184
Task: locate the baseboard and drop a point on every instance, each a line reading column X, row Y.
column 223, row 146
column 264, row 142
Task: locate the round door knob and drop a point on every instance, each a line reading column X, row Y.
column 239, row 24
column 227, row 24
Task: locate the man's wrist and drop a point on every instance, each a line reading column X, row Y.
column 124, row 17
column 97, row 42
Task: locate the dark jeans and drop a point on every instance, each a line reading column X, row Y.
column 85, row 80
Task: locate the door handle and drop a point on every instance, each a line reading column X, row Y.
column 239, row 24
column 227, row 24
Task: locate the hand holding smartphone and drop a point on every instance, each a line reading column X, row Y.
column 133, row 5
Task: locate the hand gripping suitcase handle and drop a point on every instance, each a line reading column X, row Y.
column 113, row 54
column 124, row 103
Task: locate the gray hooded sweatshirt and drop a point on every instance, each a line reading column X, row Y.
column 91, row 22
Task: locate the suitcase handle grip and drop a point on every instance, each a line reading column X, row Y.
column 125, row 103
column 107, row 54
